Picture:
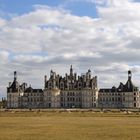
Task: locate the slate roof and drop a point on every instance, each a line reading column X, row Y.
column 13, row 87
column 128, row 87
column 30, row 89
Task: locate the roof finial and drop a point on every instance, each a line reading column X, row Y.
column 129, row 75
column 15, row 75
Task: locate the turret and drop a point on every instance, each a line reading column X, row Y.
column 75, row 76
column 84, row 78
column 45, row 81
column 66, row 75
column 96, row 81
column 15, row 75
column 129, row 75
column 71, row 71
column 51, row 74
column 89, row 73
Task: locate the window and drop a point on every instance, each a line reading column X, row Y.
column 61, row 93
column 61, row 104
column 62, row 86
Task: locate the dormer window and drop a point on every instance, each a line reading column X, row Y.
column 61, row 86
column 50, row 85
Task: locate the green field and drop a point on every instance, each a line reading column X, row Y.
column 69, row 126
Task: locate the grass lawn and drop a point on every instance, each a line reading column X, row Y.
column 69, row 126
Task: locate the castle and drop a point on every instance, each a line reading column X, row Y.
column 72, row 91
column 124, row 96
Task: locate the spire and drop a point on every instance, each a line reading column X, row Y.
column 89, row 70
column 129, row 75
column 15, row 75
column 45, row 80
column 71, row 70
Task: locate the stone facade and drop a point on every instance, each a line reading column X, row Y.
column 125, row 96
column 21, row 96
column 72, row 91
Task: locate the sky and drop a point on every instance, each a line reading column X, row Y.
column 39, row 35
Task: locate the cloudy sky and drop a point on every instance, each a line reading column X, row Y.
column 39, row 35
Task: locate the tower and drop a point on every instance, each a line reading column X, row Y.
column 129, row 75
column 71, row 71
column 15, row 75
column 45, row 81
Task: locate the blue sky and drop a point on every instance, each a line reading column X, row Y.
column 95, row 34
column 20, row 7
column 79, row 8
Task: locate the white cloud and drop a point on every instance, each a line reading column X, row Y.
column 2, row 22
column 47, row 37
column 29, row 58
column 4, row 56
